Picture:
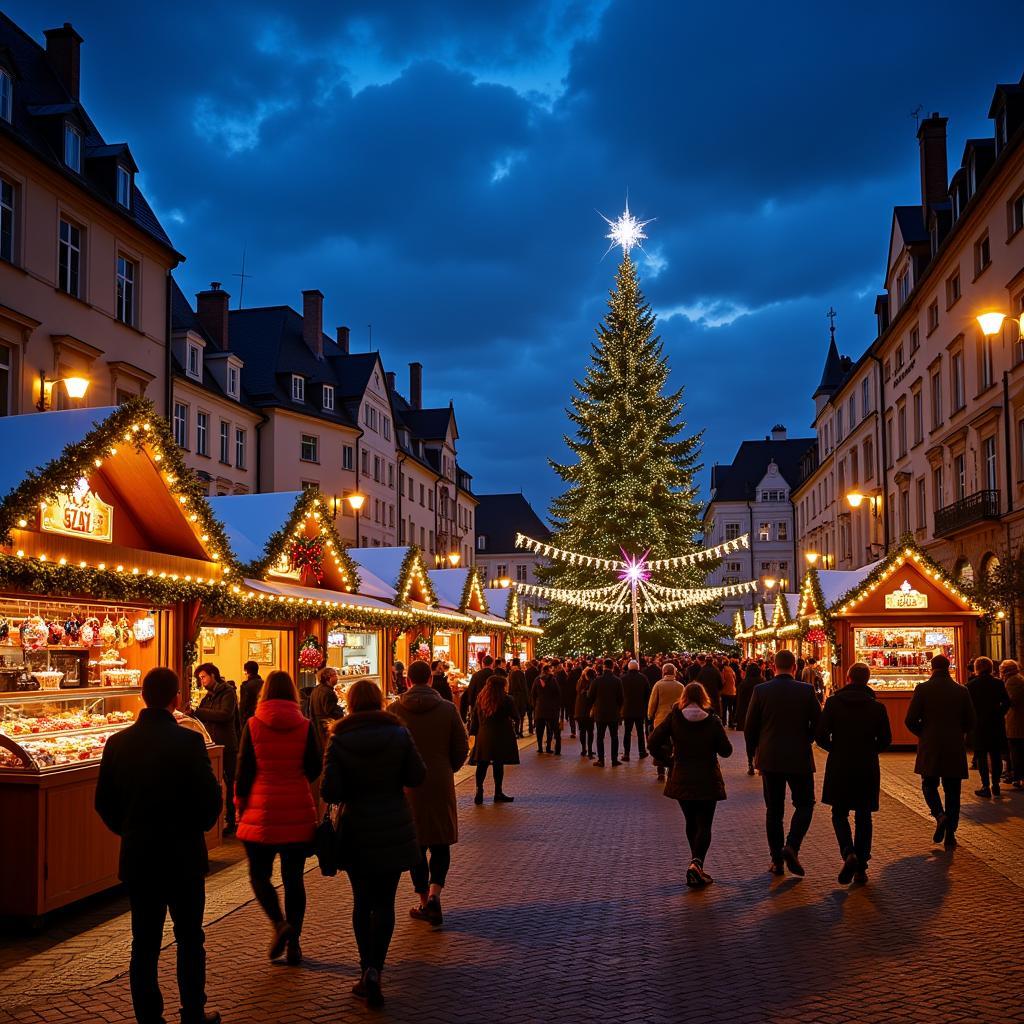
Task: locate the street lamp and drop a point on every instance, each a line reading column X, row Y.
column 455, row 558
column 812, row 557
column 769, row 582
column 854, row 499
column 356, row 502
column 504, row 582
column 75, row 387
column 991, row 323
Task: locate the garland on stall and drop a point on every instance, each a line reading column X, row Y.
column 412, row 569
column 473, row 584
column 309, row 503
column 134, row 423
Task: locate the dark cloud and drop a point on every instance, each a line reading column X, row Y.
column 435, row 169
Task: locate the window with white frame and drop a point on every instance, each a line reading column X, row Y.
column 481, row 541
column 69, row 258
column 987, row 374
column 764, row 531
column 903, row 287
column 181, row 424
column 239, row 448
column 6, row 95
column 391, row 475
column 126, row 274
column 952, row 289
column 364, row 462
column 7, row 220
column 225, row 442
column 195, row 361
column 960, row 476
column 378, row 466
column 922, row 503
column 918, row 417
column 233, row 381
column 782, row 531
column 1016, row 214
column 936, row 400
column 328, row 397
column 732, row 531
column 72, row 147
column 522, row 572
column 348, row 457
column 957, row 366
column 915, row 339
column 298, row 388
column 988, row 453
column 502, row 571
column 124, row 187
column 310, row 448
column 202, row 433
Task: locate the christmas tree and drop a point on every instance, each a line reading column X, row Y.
column 631, row 487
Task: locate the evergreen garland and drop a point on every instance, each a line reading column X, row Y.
column 473, row 576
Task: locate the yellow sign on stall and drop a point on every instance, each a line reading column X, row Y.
column 80, row 512
column 906, row 597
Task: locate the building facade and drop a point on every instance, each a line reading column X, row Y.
column 924, row 434
column 84, row 262
column 753, row 495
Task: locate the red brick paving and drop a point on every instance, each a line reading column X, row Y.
column 570, row 905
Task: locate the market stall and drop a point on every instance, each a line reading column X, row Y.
column 107, row 549
column 894, row 615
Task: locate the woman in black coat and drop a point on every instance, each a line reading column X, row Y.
column 370, row 761
column 854, row 729
column 584, row 719
column 439, row 681
column 692, row 739
column 991, row 702
column 494, row 726
column 744, row 691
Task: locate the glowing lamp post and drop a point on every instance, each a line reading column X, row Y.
column 633, row 573
column 76, row 387
column 356, row 501
column 454, row 558
column 812, row 557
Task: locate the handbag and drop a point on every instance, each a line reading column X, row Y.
column 325, row 845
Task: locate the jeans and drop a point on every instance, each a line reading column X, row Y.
column 801, row 788
column 150, row 900
column 613, row 728
column 985, row 758
column 293, row 864
column 858, row 841
column 481, row 774
column 373, row 913
column 587, row 735
column 699, row 816
column 433, row 871
column 1017, row 759
column 951, row 790
column 629, row 724
column 554, row 732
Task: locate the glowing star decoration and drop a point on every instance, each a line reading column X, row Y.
column 634, row 570
column 626, row 231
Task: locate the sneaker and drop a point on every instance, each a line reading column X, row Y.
column 693, row 879
column 849, row 869
column 792, row 861
column 282, row 933
column 984, row 792
column 940, row 828
column 433, row 911
column 420, row 913
column 775, row 867
column 371, row 982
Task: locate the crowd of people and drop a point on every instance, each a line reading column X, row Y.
column 377, row 785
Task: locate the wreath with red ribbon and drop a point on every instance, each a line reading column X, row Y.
column 307, row 555
column 816, row 636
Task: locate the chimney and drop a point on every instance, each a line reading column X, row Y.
column 931, row 137
column 313, row 321
column 62, row 53
column 212, row 313
column 778, row 432
column 416, row 385
column 343, row 340
column 391, row 380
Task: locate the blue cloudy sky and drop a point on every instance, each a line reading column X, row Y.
column 435, row 168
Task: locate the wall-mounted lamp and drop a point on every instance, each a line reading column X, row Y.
column 76, row 387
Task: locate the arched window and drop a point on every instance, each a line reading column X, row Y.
column 989, row 566
column 964, row 572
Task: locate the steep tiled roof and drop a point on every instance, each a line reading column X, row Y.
column 911, row 222
column 39, row 96
column 499, row 517
column 738, row 481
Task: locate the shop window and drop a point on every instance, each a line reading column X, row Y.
column 353, row 655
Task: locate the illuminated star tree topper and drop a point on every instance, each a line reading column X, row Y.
column 626, row 231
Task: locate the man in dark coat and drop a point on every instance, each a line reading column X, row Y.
column 781, row 723
column 249, row 693
column 158, row 792
column 991, row 702
column 218, row 711
column 532, row 672
column 546, row 698
column 324, row 707
column 570, row 676
column 854, row 729
column 711, row 679
column 941, row 716
column 636, row 691
column 606, row 710
column 476, row 684
column 652, row 671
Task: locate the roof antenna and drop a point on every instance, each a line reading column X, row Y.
column 916, row 115
column 831, row 315
column 243, row 275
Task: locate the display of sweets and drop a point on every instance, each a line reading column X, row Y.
column 67, row 750
column 63, row 721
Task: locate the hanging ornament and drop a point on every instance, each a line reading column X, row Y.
column 311, row 653
column 307, row 555
column 34, row 633
column 57, row 634
column 73, row 629
column 125, row 636
column 144, row 629
column 816, row 635
column 107, row 633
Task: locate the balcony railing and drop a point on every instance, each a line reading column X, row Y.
column 975, row 508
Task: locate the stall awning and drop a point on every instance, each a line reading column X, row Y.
column 312, row 595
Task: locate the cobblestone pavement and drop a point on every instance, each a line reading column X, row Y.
column 570, row 904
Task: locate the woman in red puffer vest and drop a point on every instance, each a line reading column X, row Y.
column 278, row 758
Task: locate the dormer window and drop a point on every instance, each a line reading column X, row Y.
column 73, row 148
column 903, row 288
column 481, row 542
column 298, row 388
column 328, row 397
column 124, row 187
column 6, row 95
column 195, row 362
column 233, row 381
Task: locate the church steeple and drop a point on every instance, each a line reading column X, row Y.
column 836, row 366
